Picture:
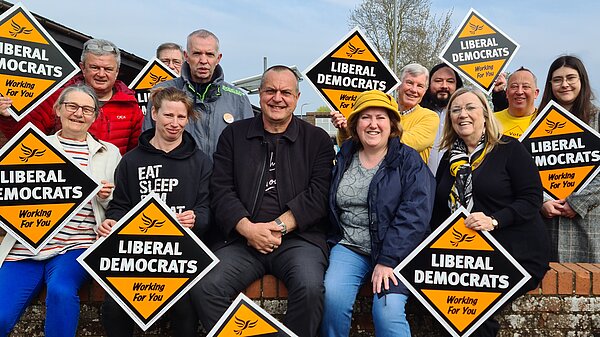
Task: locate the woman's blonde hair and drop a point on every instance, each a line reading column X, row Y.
column 493, row 129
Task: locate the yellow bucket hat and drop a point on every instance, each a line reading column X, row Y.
column 374, row 98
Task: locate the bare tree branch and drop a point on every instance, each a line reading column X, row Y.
column 421, row 34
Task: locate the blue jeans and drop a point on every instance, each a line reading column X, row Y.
column 21, row 281
column 346, row 273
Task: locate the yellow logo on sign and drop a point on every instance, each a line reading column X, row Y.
column 243, row 325
column 476, row 27
column 355, row 49
column 153, row 76
column 151, row 222
column 555, row 124
column 246, row 322
column 461, row 237
column 20, row 28
column 31, row 150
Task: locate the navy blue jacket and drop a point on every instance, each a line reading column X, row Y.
column 400, row 202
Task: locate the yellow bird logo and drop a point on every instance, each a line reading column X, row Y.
column 554, row 125
column 149, row 223
column 18, row 29
column 354, row 50
column 30, row 153
column 460, row 237
column 157, row 79
column 475, row 28
column 243, row 325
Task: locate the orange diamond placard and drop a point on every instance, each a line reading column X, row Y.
column 479, row 51
column 350, row 67
column 460, row 275
column 32, row 64
column 153, row 73
column 246, row 318
column 565, row 149
column 41, row 188
column 148, row 261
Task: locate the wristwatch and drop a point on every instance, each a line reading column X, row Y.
column 494, row 223
column 281, row 225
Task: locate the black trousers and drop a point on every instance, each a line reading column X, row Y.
column 298, row 263
column 117, row 323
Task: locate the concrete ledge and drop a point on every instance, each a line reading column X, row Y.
column 567, row 303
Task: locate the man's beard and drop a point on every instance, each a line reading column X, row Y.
column 441, row 102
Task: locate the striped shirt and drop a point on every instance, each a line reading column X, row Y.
column 77, row 233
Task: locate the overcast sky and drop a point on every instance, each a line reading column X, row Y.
column 299, row 32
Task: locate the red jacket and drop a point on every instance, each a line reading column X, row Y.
column 119, row 121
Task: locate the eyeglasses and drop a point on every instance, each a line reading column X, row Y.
column 97, row 47
column 85, row 109
column 456, row 110
column 558, row 81
column 176, row 62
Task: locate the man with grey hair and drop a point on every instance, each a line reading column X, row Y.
column 269, row 188
column 120, row 118
column 218, row 102
column 419, row 124
column 171, row 54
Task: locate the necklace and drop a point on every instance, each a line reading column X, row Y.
column 406, row 112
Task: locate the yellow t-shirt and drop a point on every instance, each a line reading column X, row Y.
column 514, row 126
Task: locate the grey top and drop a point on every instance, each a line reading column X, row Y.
column 351, row 198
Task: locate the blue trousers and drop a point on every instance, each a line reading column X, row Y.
column 298, row 263
column 21, row 281
column 346, row 273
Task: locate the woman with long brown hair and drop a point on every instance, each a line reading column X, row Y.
column 573, row 221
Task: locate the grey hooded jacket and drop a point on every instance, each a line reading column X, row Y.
column 219, row 105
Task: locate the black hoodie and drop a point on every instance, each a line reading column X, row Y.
column 180, row 177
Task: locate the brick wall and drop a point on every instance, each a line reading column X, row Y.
column 3, row 139
column 567, row 303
